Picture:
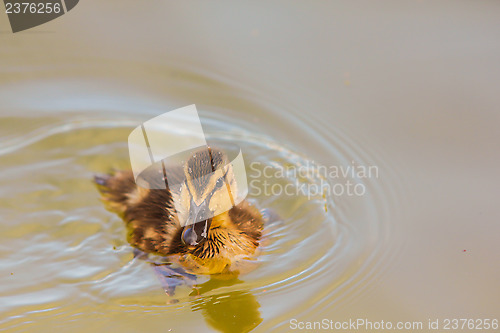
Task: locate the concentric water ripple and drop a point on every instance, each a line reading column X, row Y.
column 68, row 256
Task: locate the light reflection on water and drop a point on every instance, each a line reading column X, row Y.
column 67, row 257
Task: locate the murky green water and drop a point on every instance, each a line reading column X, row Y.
column 295, row 93
column 68, row 254
column 63, row 249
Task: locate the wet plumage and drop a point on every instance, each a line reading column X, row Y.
column 154, row 225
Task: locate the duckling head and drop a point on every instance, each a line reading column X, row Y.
column 208, row 190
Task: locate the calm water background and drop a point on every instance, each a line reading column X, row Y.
column 410, row 87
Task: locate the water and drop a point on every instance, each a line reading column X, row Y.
column 66, row 252
column 389, row 254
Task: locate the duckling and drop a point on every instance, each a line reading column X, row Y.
column 214, row 245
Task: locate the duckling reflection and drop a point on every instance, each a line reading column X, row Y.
column 213, row 245
column 236, row 311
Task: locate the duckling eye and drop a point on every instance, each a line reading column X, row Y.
column 219, row 183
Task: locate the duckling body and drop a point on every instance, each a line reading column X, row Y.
column 154, row 226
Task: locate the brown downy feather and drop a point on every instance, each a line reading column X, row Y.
column 153, row 226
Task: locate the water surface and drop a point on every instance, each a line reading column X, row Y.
column 409, row 90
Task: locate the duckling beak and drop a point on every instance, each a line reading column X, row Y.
column 197, row 225
column 194, row 234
